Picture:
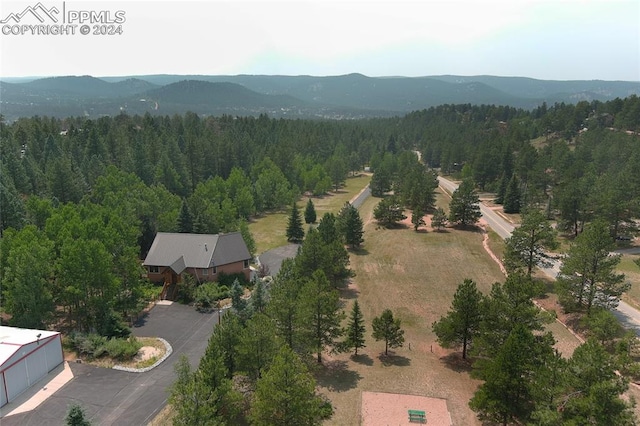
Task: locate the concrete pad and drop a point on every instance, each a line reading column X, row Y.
column 387, row 409
column 39, row 392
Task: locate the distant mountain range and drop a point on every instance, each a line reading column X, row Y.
column 339, row 97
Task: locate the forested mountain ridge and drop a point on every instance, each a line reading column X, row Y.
column 344, row 96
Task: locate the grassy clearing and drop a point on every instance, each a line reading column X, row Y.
column 632, row 274
column 415, row 275
column 496, row 244
column 269, row 230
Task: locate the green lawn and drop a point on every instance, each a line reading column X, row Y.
column 269, row 231
column 632, row 274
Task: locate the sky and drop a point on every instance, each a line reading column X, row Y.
column 555, row 40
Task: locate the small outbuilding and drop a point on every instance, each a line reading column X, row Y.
column 26, row 356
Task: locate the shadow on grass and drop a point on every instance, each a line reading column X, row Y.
column 347, row 292
column 363, row 359
column 393, row 359
column 469, row 228
column 441, row 231
column 455, row 362
column 336, row 376
column 359, row 251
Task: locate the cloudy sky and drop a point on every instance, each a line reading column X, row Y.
column 542, row 39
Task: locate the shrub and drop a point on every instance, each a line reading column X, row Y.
column 228, row 279
column 209, row 293
column 95, row 346
column 122, row 349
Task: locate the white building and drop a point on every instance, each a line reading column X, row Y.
column 26, row 356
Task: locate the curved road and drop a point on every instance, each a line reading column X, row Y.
column 626, row 314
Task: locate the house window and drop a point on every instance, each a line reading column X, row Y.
column 215, row 270
column 246, row 264
column 154, row 269
column 205, row 272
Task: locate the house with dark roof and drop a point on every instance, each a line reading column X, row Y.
column 204, row 256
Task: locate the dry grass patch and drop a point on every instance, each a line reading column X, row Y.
column 415, row 275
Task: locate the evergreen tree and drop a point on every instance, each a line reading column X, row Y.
column 295, row 233
column 238, row 302
column 511, row 202
column 257, row 345
column 225, row 337
column 594, row 389
column 192, row 398
column 310, row 212
column 329, row 257
column 461, row 325
column 417, row 218
column 76, row 416
column 283, row 304
column 350, row 225
column 185, row 220
column 388, row 212
column 506, row 306
column 526, row 248
column 355, row 329
column 320, row 315
column 285, row 395
column 328, row 228
column 387, row 328
column 588, row 275
column 506, row 394
column 502, row 189
column 258, row 302
column 464, row 208
column 223, row 401
column 439, row 219
column 380, row 183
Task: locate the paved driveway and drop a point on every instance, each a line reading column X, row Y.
column 273, row 258
column 112, row 397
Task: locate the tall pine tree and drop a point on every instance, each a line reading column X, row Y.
column 355, row 329
column 295, row 233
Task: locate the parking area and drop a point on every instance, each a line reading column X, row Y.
column 112, row 397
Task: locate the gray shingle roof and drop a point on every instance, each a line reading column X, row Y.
column 196, row 250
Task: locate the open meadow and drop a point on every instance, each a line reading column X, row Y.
column 415, row 274
column 269, row 230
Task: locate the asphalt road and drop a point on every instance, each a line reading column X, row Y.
column 626, row 314
column 112, row 397
column 361, row 197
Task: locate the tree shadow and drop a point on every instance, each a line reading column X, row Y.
column 348, row 292
column 468, row 228
column 455, row 362
column 335, row 376
column 141, row 320
column 363, row 359
column 393, row 359
column 442, row 231
column 395, row 225
column 359, row 251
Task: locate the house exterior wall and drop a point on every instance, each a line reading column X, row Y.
column 198, row 273
column 231, row 268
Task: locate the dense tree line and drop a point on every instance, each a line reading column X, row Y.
column 525, row 379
